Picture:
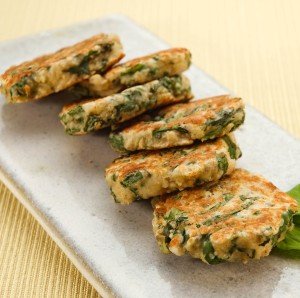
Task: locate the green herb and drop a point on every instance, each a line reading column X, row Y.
column 222, row 163
column 92, row 121
column 164, row 248
column 209, row 251
column 114, row 177
column 152, row 71
column 232, row 148
column 177, row 196
column 19, row 87
column 240, row 121
column 198, row 182
column 114, row 196
column 72, row 131
column 227, row 196
column 215, row 126
column 133, row 70
column 132, row 178
column 133, row 101
column 290, row 246
column 175, row 214
column 174, row 218
column 76, row 111
column 158, row 133
column 117, row 142
column 173, row 84
column 83, row 67
column 126, row 107
column 107, row 47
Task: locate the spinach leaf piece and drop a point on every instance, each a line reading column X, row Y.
column 132, row 178
column 232, row 148
column 222, row 163
column 158, row 133
column 290, row 246
column 133, row 70
column 83, row 67
column 117, row 142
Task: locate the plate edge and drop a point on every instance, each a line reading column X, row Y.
column 52, row 232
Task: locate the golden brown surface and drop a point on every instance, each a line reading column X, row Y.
column 38, row 79
column 242, row 213
column 165, row 53
column 257, row 45
column 181, row 124
column 15, row 72
column 152, row 173
column 186, row 113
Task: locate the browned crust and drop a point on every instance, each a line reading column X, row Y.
column 154, row 159
column 16, row 72
column 216, row 104
column 138, row 60
column 231, row 184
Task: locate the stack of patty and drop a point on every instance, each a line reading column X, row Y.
column 202, row 205
column 180, row 154
column 128, row 90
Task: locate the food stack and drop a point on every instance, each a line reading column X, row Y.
column 177, row 152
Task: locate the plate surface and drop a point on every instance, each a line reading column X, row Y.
column 60, row 179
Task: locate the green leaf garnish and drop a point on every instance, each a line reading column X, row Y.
column 290, row 246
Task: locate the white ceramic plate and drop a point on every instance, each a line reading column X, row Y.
column 59, row 178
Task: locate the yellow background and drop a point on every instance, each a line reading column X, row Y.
column 252, row 47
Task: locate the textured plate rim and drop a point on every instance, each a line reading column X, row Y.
column 50, row 229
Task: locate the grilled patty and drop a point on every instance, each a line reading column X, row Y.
column 135, row 72
column 152, row 173
column 95, row 114
column 54, row 72
column 181, row 124
column 242, row 217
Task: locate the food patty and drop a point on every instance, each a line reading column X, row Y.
column 240, row 218
column 152, row 173
column 54, row 72
column 95, row 114
column 181, row 124
column 135, row 72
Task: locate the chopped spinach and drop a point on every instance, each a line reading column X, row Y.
column 232, row 148
column 83, row 67
column 209, row 251
column 76, row 111
column 133, row 70
column 177, row 196
column 114, row 196
column 132, row 178
column 223, row 119
column 215, row 126
column 107, row 47
column 173, row 84
column 222, row 163
column 117, row 142
column 228, row 196
column 174, row 218
column 198, row 182
column 24, row 87
column 92, row 121
column 152, row 72
column 175, row 214
column 158, row 132
column 72, row 131
column 114, row 177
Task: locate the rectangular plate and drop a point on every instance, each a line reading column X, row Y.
column 60, row 179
